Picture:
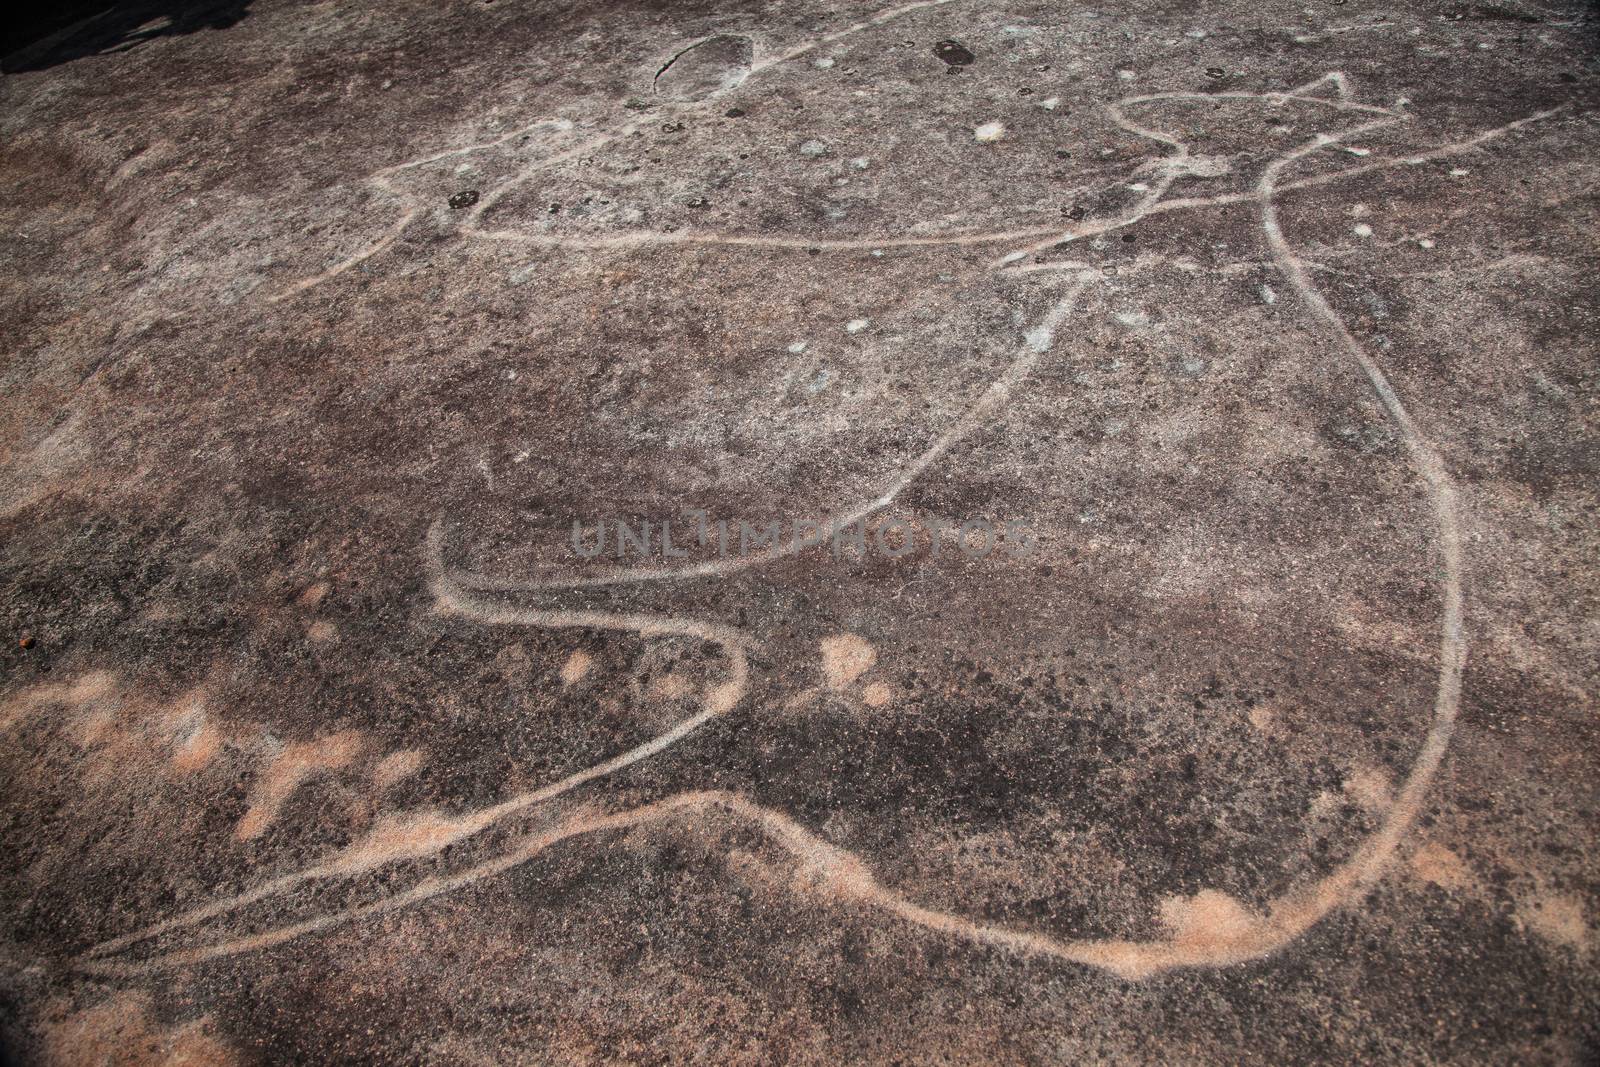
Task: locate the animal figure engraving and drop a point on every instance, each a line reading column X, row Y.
column 1211, row 929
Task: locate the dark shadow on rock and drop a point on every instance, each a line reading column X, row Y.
column 71, row 31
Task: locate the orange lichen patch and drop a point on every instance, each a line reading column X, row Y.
column 1558, row 918
column 724, row 697
column 1213, row 929
column 119, row 730
column 322, row 631
column 1262, row 716
column 1208, row 921
column 314, row 594
column 846, row 657
column 195, row 738
column 672, row 687
column 1438, row 865
column 287, row 770
column 577, row 667
column 1369, row 787
column 396, row 767
column 876, row 695
column 198, row 750
column 120, row 1033
column 86, row 693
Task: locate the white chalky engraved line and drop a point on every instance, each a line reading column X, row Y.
column 820, row 865
column 453, row 596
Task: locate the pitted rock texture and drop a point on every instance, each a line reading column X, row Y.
column 1205, row 670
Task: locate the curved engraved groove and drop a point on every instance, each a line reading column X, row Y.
column 710, row 66
column 1036, row 344
column 416, row 834
column 754, row 67
column 426, row 833
column 843, row 875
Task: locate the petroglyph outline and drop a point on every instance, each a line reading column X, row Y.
column 1257, row 935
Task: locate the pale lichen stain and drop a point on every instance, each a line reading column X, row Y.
column 284, row 773
column 395, row 768
column 120, row 1031
column 576, row 668
column 1440, row 866
column 846, row 657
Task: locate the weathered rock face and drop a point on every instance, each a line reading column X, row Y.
column 789, row 532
